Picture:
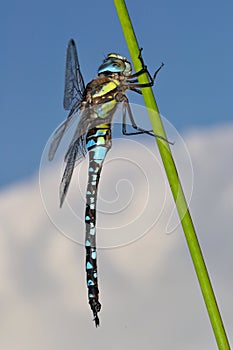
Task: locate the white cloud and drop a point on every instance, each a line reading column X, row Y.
column 148, row 289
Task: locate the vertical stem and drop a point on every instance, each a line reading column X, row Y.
column 174, row 182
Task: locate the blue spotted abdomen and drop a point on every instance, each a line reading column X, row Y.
column 98, row 142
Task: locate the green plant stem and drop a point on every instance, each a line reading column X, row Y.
column 174, row 182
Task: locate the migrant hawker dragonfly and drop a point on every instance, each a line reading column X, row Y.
column 96, row 105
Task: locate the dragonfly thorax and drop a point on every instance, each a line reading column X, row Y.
column 115, row 63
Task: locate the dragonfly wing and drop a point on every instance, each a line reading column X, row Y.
column 65, row 182
column 74, row 83
column 73, row 95
column 79, row 138
column 59, row 133
column 56, row 139
column 75, row 154
column 80, row 144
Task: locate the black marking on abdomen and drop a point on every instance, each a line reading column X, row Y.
column 98, row 142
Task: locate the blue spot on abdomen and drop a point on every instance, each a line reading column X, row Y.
column 89, row 266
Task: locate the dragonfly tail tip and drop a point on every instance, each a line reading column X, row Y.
column 97, row 321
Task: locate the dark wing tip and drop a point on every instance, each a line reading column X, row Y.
column 72, row 42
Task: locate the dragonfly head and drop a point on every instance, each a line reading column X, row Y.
column 115, row 63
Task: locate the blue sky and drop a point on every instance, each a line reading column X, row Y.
column 193, row 39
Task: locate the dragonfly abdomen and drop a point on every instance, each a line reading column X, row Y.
column 98, row 142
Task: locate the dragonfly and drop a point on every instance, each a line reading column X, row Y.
column 95, row 104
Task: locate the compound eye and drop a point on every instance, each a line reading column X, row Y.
column 114, row 64
column 120, row 65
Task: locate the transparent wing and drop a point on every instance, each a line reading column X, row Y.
column 74, row 83
column 76, row 152
column 59, row 133
column 79, row 139
column 73, row 95
column 65, row 182
column 74, row 155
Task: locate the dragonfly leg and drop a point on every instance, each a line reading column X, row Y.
column 144, row 67
column 133, row 85
column 126, row 108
